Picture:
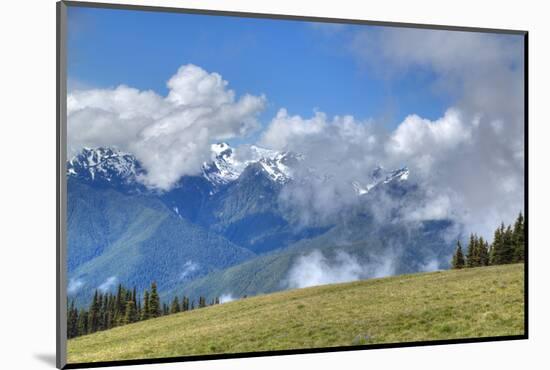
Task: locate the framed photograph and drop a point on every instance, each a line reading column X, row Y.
column 234, row 185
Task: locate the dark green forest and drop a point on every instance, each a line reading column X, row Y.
column 508, row 246
column 108, row 310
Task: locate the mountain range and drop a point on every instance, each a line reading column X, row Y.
column 223, row 230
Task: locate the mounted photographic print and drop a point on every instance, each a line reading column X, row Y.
column 236, row 185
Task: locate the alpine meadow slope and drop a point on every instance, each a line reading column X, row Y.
column 455, row 304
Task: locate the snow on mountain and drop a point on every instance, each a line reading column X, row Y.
column 104, row 165
column 380, row 176
column 401, row 174
column 110, row 166
column 226, row 166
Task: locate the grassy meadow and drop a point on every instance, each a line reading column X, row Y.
column 474, row 302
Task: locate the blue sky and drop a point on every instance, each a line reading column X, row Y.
column 298, row 65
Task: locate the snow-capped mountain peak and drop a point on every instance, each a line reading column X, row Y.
column 400, row 174
column 109, row 166
column 228, row 164
column 223, row 168
column 104, row 165
column 380, row 176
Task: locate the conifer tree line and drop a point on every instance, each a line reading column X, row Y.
column 108, row 310
column 508, row 246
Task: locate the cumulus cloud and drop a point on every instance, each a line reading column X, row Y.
column 284, row 130
column 424, row 141
column 468, row 171
column 478, row 164
column 108, row 284
column 469, row 163
column 336, row 151
column 169, row 135
column 316, row 269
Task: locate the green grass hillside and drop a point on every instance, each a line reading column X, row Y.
column 477, row 302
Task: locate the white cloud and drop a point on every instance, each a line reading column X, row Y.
column 482, row 71
column 74, row 286
column 467, row 171
column 316, row 269
column 169, row 135
column 425, row 141
column 188, row 268
column 431, row 265
column 469, row 163
column 336, row 151
column 108, row 284
column 435, row 207
column 285, row 130
column 228, row 297
column 478, row 166
column 193, row 87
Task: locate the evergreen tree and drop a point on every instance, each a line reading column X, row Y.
column 154, row 302
column 120, row 306
column 108, row 320
column 146, row 310
column 127, row 297
column 185, row 303
column 458, row 258
column 519, row 239
column 202, row 302
column 111, row 316
column 472, row 257
column 139, row 309
column 497, row 248
column 101, row 313
column 509, row 247
column 165, row 309
column 483, row 252
column 93, row 315
column 175, row 307
column 105, row 315
column 131, row 312
column 83, row 322
column 72, row 321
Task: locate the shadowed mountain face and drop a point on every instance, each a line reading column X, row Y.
column 225, row 231
column 136, row 239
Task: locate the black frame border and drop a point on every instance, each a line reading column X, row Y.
column 61, row 94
